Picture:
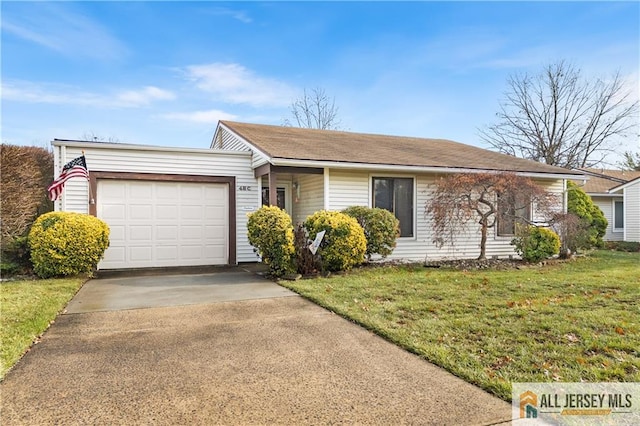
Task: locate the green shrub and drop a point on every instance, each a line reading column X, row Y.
column 580, row 204
column 65, row 243
column 534, row 243
column 16, row 257
column 344, row 244
column 271, row 233
column 381, row 228
column 628, row 246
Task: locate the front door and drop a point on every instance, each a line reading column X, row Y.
column 281, row 201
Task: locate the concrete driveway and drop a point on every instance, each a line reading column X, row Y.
column 279, row 360
column 154, row 291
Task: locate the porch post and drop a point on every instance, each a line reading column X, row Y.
column 273, row 189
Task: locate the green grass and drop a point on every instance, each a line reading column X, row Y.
column 27, row 308
column 566, row 322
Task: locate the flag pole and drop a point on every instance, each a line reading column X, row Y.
column 91, row 200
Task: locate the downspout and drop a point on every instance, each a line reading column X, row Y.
column 565, row 197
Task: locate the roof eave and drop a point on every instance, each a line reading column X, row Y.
column 404, row 168
column 134, row 147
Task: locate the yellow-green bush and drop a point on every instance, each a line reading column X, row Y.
column 271, row 233
column 65, row 243
column 534, row 243
column 381, row 228
column 344, row 244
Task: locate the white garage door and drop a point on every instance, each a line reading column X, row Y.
column 164, row 223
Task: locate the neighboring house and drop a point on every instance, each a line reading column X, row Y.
column 604, row 188
column 631, row 213
column 179, row 206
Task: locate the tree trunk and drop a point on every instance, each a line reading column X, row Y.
column 483, row 240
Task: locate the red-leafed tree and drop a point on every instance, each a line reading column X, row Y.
column 488, row 199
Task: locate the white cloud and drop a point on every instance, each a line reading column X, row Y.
column 58, row 27
column 233, row 83
column 29, row 92
column 235, row 14
column 208, row 117
column 143, row 96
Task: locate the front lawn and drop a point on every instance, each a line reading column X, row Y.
column 565, row 322
column 26, row 310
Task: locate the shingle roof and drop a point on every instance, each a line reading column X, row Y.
column 601, row 180
column 295, row 143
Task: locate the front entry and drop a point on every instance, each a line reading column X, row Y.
column 283, row 197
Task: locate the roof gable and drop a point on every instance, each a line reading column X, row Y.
column 302, row 144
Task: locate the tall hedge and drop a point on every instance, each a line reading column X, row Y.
column 66, row 243
column 580, row 204
column 25, row 173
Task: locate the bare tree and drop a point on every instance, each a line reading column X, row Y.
column 93, row 137
column 488, row 200
column 559, row 118
column 314, row 110
column 631, row 161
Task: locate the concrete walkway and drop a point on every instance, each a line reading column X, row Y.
column 265, row 361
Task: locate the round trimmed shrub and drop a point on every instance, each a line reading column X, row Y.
column 271, row 233
column 381, row 228
column 534, row 243
column 344, row 244
column 66, row 243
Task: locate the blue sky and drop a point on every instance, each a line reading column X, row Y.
column 163, row 73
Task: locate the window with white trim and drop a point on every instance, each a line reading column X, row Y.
column 618, row 215
column 512, row 209
column 396, row 195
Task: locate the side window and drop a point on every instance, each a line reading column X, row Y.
column 396, row 195
column 512, row 209
column 618, row 215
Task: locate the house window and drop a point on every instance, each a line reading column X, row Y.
column 280, row 197
column 618, row 215
column 512, row 209
column 396, row 195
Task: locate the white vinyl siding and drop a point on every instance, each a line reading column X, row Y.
column 632, row 212
column 190, row 162
column 353, row 188
column 311, row 197
column 347, row 188
column 228, row 141
column 606, row 205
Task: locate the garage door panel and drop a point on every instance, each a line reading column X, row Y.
column 140, row 212
column 141, row 190
column 116, row 233
column 141, row 233
column 166, row 252
column 191, row 193
column 166, row 211
column 144, row 253
column 191, row 232
column 164, row 223
column 166, row 232
column 167, row 191
column 188, row 212
column 114, row 211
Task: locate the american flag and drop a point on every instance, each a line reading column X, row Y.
column 74, row 168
